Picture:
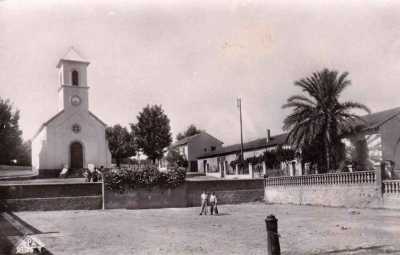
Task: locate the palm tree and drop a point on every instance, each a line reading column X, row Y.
column 318, row 115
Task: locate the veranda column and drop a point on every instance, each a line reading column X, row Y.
column 251, row 170
column 264, row 168
column 378, row 179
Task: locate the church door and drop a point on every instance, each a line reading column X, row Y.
column 76, row 153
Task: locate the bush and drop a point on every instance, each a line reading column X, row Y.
column 124, row 179
column 175, row 159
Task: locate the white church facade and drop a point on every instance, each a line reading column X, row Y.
column 74, row 137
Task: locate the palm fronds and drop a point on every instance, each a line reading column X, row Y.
column 318, row 113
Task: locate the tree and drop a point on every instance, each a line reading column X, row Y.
column 24, row 154
column 360, row 155
column 174, row 158
column 10, row 134
column 152, row 131
column 191, row 130
column 318, row 115
column 120, row 142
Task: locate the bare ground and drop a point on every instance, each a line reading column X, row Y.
column 240, row 229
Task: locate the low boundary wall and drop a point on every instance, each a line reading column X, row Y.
column 186, row 195
column 358, row 189
column 8, row 167
column 227, row 191
column 39, row 196
column 144, row 198
column 391, row 194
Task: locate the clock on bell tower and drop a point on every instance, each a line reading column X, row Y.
column 73, row 90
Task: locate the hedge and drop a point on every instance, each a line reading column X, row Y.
column 124, row 179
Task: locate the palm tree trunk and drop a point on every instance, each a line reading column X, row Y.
column 327, row 145
column 327, row 155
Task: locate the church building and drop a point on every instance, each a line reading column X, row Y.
column 74, row 137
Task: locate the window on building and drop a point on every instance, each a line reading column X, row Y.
column 75, row 78
column 213, row 148
column 213, row 168
column 76, row 128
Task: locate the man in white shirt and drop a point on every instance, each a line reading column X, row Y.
column 213, row 203
column 203, row 198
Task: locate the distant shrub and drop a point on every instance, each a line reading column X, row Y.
column 124, row 179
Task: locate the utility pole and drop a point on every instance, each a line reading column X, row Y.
column 239, row 105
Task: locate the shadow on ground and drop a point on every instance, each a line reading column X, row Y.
column 377, row 249
column 9, row 232
column 223, row 214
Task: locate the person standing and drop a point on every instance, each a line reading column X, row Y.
column 213, row 204
column 203, row 198
column 88, row 175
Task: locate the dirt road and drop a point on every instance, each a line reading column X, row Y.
column 240, row 229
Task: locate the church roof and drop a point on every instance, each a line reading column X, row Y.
column 72, row 55
column 58, row 114
column 97, row 118
column 46, row 123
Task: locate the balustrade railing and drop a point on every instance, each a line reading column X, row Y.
column 322, row 179
column 391, row 186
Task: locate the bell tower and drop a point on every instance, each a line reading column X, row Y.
column 73, row 90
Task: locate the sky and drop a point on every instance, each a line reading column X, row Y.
column 196, row 57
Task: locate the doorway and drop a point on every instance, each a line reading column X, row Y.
column 76, row 155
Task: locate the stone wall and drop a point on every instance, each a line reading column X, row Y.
column 352, row 195
column 227, row 191
column 8, row 167
column 358, row 190
column 39, row 196
column 146, row 198
column 52, row 204
column 391, row 194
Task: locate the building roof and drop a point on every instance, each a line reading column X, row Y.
column 72, row 55
column 377, row 119
column 189, row 138
column 184, row 140
column 248, row 146
column 371, row 121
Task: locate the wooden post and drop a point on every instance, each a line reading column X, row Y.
column 104, row 195
column 271, row 224
column 239, row 104
column 102, row 191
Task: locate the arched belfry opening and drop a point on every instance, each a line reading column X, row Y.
column 75, row 78
column 76, row 155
